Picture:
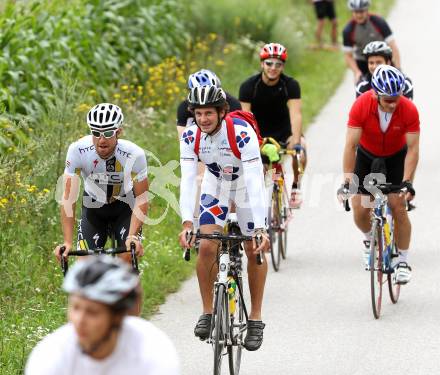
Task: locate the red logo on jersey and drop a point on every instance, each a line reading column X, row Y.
column 95, row 163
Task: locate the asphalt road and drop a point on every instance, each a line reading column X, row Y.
column 317, row 309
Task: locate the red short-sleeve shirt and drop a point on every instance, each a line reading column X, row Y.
column 364, row 115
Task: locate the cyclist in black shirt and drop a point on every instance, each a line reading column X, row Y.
column 379, row 53
column 275, row 100
column 203, row 77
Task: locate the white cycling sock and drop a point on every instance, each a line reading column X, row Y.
column 403, row 256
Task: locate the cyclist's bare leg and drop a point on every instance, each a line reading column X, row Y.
column 361, row 214
column 334, row 33
column 296, row 174
column 207, row 266
column 402, row 225
column 256, row 278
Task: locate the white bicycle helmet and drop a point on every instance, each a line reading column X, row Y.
column 206, row 96
column 105, row 116
column 203, row 77
column 387, row 81
column 103, row 279
column 356, row 5
column 378, row 48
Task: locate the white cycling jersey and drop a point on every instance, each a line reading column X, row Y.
column 142, row 349
column 106, row 179
column 226, row 177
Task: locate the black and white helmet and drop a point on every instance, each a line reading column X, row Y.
column 103, row 279
column 378, row 48
column 105, row 116
column 206, row 96
column 355, row 5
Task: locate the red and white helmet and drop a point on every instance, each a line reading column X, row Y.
column 274, row 50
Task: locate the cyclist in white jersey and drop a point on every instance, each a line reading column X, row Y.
column 115, row 184
column 227, row 179
column 100, row 339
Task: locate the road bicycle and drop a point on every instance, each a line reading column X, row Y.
column 382, row 245
column 279, row 213
column 230, row 315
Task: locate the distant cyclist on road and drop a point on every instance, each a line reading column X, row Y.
column 275, row 100
column 362, row 29
column 202, row 77
column 379, row 53
column 114, row 171
column 100, row 338
column 384, row 125
column 227, row 179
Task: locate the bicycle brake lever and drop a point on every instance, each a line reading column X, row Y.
column 187, row 253
column 64, row 261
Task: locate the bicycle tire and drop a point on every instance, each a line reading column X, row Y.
column 393, row 288
column 275, row 235
column 376, row 268
column 236, row 333
column 285, row 216
column 220, row 328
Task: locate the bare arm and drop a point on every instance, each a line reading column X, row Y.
column 295, row 115
column 246, row 106
column 351, row 141
column 396, row 54
column 140, row 208
column 351, row 63
column 412, row 156
column 180, row 130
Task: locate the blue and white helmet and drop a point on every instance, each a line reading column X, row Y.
column 356, row 5
column 203, row 77
column 387, row 81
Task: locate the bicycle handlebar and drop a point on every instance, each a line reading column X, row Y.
column 220, row 237
column 99, row 251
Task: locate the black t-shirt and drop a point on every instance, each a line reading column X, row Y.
column 185, row 117
column 269, row 104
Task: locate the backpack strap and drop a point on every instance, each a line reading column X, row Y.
column 230, row 130
column 197, row 141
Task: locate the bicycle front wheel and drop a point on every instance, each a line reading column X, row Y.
column 376, row 268
column 220, row 329
column 275, row 232
column 237, row 327
column 393, row 288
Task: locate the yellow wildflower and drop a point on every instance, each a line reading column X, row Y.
column 124, row 87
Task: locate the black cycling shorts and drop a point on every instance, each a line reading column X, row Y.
column 394, row 167
column 95, row 222
column 325, row 9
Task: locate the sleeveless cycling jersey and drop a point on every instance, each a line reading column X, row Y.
column 141, row 349
column 105, row 180
column 226, row 177
column 364, row 115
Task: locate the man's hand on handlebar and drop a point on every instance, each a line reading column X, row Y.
column 408, row 189
column 185, row 240
column 57, row 252
column 135, row 239
column 260, row 236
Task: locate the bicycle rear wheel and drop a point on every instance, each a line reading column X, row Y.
column 275, row 233
column 376, row 268
column 236, row 329
column 285, row 215
column 220, row 328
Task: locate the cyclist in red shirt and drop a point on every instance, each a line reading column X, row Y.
column 383, row 124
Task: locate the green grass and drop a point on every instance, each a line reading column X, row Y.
column 31, row 302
